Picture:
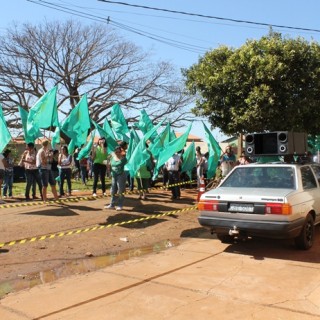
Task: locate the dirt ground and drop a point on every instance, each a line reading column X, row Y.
column 78, row 235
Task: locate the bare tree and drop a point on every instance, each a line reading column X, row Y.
column 86, row 59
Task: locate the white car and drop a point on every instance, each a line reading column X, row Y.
column 275, row 200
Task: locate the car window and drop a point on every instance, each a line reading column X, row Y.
column 261, row 177
column 308, row 179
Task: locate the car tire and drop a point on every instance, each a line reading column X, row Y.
column 225, row 238
column 306, row 238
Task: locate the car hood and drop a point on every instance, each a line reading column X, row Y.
column 248, row 194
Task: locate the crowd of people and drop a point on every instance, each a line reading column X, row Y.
column 56, row 168
column 42, row 168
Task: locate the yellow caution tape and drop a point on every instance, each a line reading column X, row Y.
column 83, row 198
column 99, row 227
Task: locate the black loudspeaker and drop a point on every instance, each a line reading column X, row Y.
column 276, row 143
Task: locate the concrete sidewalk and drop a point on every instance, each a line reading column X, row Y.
column 198, row 279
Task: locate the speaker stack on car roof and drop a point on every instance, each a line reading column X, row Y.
column 276, row 143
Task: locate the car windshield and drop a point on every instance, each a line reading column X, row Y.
column 260, row 177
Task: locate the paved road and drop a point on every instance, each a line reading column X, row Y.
column 198, row 279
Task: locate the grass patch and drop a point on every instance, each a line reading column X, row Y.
column 20, row 187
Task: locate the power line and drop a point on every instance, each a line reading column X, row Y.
column 173, row 43
column 210, row 17
column 170, row 42
column 67, row 10
column 122, row 25
column 154, row 16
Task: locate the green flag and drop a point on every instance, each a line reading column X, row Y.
column 55, row 137
column 189, row 159
column 214, row 153
column 160, row 141
column 145, row 124
column 24, row 118
column 172, row 135
column 43, row 114
column 119, row 123
column 111, row 142
column 133, row 142
column 173, row 147
column 5, row 136
column 85, row 152
column 71, row 146
column 78, row 123
column 108, row 130
column 141, row 154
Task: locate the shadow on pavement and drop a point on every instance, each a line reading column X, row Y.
column 264, row 248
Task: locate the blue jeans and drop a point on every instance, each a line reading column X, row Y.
column 130, row 181
column 7, row 183
column 84, row 173
column 118, row 185
column 32, row 178
column 65, row 174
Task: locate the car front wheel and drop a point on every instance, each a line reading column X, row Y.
column 305, row 240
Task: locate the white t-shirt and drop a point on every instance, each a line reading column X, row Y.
column 173, row 163
column 38, row 158
column 66, row 161
column 39, row 161
column 199, row 158
column 1, row 162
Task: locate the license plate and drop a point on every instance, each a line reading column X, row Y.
column 241, row 207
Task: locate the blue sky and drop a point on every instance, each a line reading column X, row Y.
column 189, row 36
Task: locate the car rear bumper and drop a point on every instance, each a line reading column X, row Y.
column 271, row 229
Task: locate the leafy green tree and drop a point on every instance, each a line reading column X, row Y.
column 269, row 84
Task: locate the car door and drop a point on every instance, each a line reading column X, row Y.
column 310, row 184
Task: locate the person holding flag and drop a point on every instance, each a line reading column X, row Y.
column 99, row 155
column 119, row 177
column 172, row 165
column 65, row 164
column 44, row 159
column 28, row 160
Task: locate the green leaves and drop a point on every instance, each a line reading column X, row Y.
column 267, row 84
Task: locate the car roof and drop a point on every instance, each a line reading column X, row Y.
column 274, row 164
